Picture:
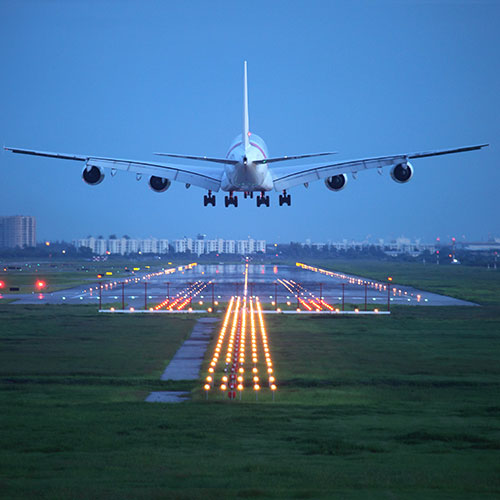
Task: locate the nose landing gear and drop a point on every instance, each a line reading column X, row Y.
column 262, row 200
column 285, row 199
column 209, row 199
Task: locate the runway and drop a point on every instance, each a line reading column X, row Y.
column 214, row 284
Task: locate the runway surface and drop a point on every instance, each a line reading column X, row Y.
column 218, row 283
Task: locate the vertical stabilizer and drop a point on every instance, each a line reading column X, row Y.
column 246, row 137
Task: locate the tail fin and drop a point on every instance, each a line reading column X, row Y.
column 246, row 133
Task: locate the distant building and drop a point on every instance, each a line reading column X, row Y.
column 122, row 246
column 17, row 231
column 220, row 246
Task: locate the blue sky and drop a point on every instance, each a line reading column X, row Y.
column 124, row 79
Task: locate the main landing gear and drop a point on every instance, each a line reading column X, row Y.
column 230, row 200
column 262, row 199
column 209, row 199
column 285, row 199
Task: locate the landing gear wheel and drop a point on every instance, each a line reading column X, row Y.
column 285, row 199
column 230, row 200
column 209, row 200
column 263, row 200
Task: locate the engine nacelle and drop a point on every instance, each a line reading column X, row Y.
column 158, row 184
column 336, row 182
column 93, row 175
column 402, row 172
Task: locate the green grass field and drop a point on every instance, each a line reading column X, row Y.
column 62, row 275
column 405, row 406
column 476, row 284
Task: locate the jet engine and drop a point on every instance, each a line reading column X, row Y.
column 93, row 175
column 159, row 184
column 336, row 182
column 402, row 172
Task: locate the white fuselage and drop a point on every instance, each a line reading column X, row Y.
column 247, row 175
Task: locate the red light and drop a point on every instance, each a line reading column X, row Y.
column 2, row 284
column 40, row 284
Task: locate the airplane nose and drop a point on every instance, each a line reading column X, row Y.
column 245, row 160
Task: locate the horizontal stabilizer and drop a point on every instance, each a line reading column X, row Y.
column 296, row 157
column 199, row 158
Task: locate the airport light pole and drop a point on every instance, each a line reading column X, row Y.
column 145, row 295
column 100, row 295
column 343, row 295
column 389, row 279
column 213, row 297
column 366, row 296
column 275, row 295
column 168, row 291
column 123, row 295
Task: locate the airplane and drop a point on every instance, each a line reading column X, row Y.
column 247, row 168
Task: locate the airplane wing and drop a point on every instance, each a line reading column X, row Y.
column 287, row 177
column 204, row 177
